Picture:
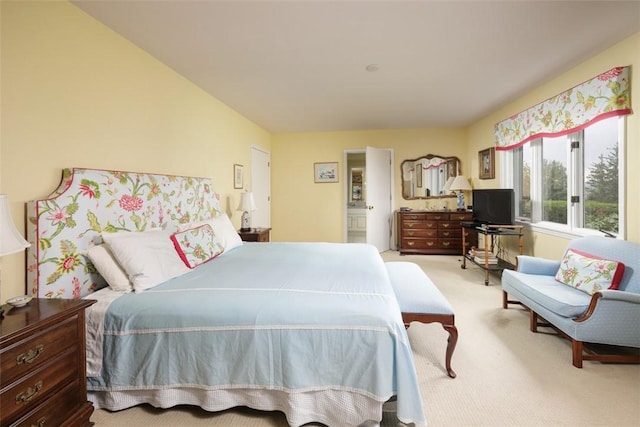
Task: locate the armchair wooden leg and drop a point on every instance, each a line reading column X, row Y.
column 533, row 321
column 576, row 347
column 505, row 299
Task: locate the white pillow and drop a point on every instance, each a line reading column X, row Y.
column 109, row 269
column 225, row 231
column 149, row 258
column 226, row 234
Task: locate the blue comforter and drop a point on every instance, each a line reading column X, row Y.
column 284, row 316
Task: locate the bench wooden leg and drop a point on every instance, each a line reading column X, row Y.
column 451, row 346
column 448, row 323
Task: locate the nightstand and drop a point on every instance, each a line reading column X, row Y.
column 255, row 235
column 43, row 377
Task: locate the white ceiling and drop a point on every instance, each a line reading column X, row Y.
column 301, row 65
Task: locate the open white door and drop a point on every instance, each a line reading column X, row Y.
column 261, row 187
column 378, row 187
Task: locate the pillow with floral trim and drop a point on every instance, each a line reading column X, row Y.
column 197, row 245
column 227, row 235
column 589, row 273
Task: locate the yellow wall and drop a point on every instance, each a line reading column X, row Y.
column 481, row 134
column 302, row 210
column 74, row 93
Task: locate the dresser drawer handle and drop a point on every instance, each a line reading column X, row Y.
column 26, row 396
column 41, row 422
column 429, row 243
column 446, row 243
column 446, row 234
column 31, row 355
column 446, row 225
column 410, row 233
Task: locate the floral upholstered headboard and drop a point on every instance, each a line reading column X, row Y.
column 88, row 202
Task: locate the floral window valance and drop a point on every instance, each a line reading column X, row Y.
column 606, row 95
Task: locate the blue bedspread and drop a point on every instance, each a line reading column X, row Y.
column 280, row 316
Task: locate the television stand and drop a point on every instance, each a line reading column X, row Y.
column 491, row 261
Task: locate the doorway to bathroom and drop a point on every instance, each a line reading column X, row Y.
column 368, row 196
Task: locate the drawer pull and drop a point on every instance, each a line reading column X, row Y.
column 26, row 396
column 31, row 355
column 410, row 233
column 446, row 225
column 446, row 234
column 41, row 422
column 429, row 243
column 446, row 243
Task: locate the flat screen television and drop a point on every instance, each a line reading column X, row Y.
column 494, row 206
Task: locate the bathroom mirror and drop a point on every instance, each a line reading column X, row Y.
column 425, row 177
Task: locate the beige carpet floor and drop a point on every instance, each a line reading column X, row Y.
column 507, row 376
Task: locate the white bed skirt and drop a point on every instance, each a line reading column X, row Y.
column 330, row 407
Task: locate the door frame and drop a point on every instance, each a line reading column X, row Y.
column 345, row 173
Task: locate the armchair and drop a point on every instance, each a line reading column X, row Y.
column 609, row 317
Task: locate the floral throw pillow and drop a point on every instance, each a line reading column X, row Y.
column 589, row 273
column 197, row 245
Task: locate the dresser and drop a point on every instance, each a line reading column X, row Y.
column 433, row 232
column 42, row 364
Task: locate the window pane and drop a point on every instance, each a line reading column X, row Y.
column 601, row 175
column 554, row 179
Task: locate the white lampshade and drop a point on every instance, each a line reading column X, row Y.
column 460, row 183
column 247, row 203
column 447, row 185
column 11, row 241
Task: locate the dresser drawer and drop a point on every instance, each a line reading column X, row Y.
column 413, row 216
column 29, row 354
column 437, row 216
column 35, row 387
column 450, row 243
column 420, row 232
column 450, row 233
column 416, row 224
column 462, row 216
column 419, row 243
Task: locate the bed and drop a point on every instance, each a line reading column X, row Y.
column 310, row 329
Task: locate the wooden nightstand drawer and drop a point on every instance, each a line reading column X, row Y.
column 29, row 354
column 53, row 412
column 255, row 235
column 34, row 388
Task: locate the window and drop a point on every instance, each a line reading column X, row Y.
column 572, row 183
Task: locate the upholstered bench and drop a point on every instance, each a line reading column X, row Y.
column 421, row 301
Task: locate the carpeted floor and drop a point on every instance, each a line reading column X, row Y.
column 507, row 376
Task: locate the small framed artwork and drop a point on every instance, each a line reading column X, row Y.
column 238, row 176
column 325, row 172
column 486, row 163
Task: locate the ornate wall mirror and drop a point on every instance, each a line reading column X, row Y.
column 425, row 177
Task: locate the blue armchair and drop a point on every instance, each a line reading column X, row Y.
column 607, row 317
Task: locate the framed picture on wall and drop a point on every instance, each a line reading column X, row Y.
column 486, row 163
column 325, row 172
column 238, row 176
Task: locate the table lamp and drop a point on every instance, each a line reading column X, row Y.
column 246, row 205
column 11, row 241
column 460, row 184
